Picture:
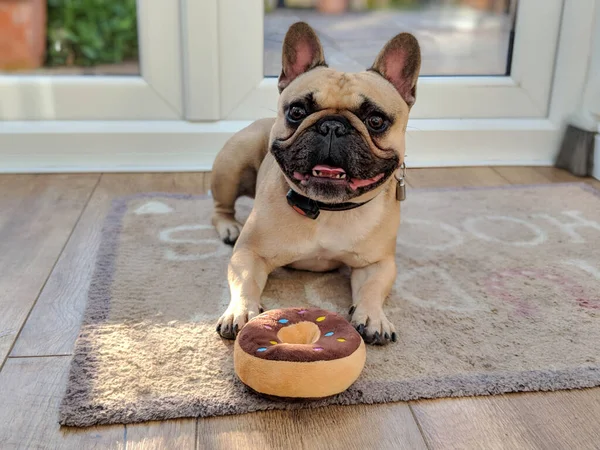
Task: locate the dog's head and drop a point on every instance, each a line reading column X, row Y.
column 341, row 135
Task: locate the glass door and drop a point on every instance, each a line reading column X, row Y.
column 90, row 60
column 481, row 58
column 456, row 37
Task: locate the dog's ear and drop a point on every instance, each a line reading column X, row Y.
column 302, row 51
column 399, row 62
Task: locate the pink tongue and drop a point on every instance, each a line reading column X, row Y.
column 299, row 176
column 355, row 183
column 328, row 170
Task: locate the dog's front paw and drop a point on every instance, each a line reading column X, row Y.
column 373, row 325
column 234, row 318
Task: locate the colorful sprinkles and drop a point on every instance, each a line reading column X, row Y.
column 285, row 321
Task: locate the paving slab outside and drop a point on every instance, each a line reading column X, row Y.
column 454, row 40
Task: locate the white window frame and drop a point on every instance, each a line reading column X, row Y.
column 221, row 95
column 155, row 94
column 247, row 95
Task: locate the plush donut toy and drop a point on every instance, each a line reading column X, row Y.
column 299, row 353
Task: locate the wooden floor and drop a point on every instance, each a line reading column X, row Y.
column 49, row 235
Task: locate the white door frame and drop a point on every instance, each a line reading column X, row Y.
column 142, row 145
column 154, row 95
column 247, row 95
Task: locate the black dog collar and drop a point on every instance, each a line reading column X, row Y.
column 311, row 208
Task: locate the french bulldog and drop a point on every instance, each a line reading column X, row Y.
column 323, row 176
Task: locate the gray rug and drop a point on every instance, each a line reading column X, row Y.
column 498, row 291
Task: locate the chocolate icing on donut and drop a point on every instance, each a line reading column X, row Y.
column 262, row 336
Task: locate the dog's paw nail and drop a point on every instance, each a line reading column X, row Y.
column 377, row 337
column 386, row 336
column 261, row 310
column 361, row 330
column 235, row 330
column 352, row 310
column 219, row 328
column 225, row 331
column 394, row 337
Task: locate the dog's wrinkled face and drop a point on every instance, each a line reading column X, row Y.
column 340, row 135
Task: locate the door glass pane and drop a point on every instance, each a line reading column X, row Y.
column 69, row 37
column 457, row 37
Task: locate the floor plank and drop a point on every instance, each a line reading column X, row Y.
column 389, row 426
column 533, row 175
column 446, row 177
column 38, row 216
column 540, row 175
column 560, row 420
column 523, row 175
column 559, row 175
column 65, row 294
column 30, row 391
column 168, row 435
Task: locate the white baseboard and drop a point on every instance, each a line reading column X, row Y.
column 167, row 146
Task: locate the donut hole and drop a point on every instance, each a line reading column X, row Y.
column 299, row 333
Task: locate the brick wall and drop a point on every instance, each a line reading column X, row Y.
column 22, row 34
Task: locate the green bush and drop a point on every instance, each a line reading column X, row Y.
column 90, row 32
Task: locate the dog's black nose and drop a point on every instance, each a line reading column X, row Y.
column 338, row 125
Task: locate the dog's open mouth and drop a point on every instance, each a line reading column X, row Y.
column 336, row 175
column 322, row 171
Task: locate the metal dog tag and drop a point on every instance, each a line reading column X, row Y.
column 401, row 185
column 401, row 190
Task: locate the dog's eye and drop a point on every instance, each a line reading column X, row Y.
column 376, row 123
column 296, row 114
